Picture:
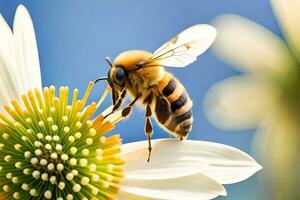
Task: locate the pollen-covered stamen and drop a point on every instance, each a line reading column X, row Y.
column 50, row 148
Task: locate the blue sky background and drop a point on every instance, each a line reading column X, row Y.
column 74, row 37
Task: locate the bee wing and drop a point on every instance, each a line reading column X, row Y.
column 184, row 48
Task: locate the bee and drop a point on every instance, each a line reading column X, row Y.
column 142, row 75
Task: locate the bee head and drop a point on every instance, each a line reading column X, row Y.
column 117, row 75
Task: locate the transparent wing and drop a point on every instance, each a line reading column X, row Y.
column 184, row 48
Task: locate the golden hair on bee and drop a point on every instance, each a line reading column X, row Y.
column 138, row 78
column 143, row 76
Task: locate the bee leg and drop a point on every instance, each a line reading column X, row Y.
column 148, row 129
column 126, row 111
column 117, row 104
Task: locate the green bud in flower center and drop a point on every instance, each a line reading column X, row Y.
column 50, row 149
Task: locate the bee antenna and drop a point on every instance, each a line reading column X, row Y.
column 108, row 61
column 101, row 79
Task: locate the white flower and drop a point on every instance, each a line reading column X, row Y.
column 179, row 170
column 55, row 143
column 266, row 95
column 19, row 61
column 271, row 70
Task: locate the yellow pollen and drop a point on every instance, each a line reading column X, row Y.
column 54, row 141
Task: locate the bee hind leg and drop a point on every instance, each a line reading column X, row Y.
column 148, row 130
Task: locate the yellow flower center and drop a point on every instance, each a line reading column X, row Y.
column 50, row 149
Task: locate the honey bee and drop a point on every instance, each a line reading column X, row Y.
column 143, row 76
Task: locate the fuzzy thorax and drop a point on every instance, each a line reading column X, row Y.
column 141, row 79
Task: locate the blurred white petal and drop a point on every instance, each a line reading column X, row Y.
column 261, row 139
column 250, row 46
column 276, row 137
column 287, row 12
column 238, row 102
column 271, row 105
column 26, row 50
column 173, row 159
column 192, row 187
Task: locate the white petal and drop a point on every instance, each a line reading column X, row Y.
column 250, row 46
column 26, row 50
column 192, row 187
column 238, row 102
column 8, row 82
column 174, row 159
column 287, row 12
column 136, row 167
column 123, row 195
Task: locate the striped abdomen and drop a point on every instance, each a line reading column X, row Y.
column 173, row 106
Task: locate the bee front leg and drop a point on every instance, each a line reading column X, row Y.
column 148, row 129
column 126, row 111
column 117, row 103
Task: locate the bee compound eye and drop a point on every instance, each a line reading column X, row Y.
column 120, row 75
